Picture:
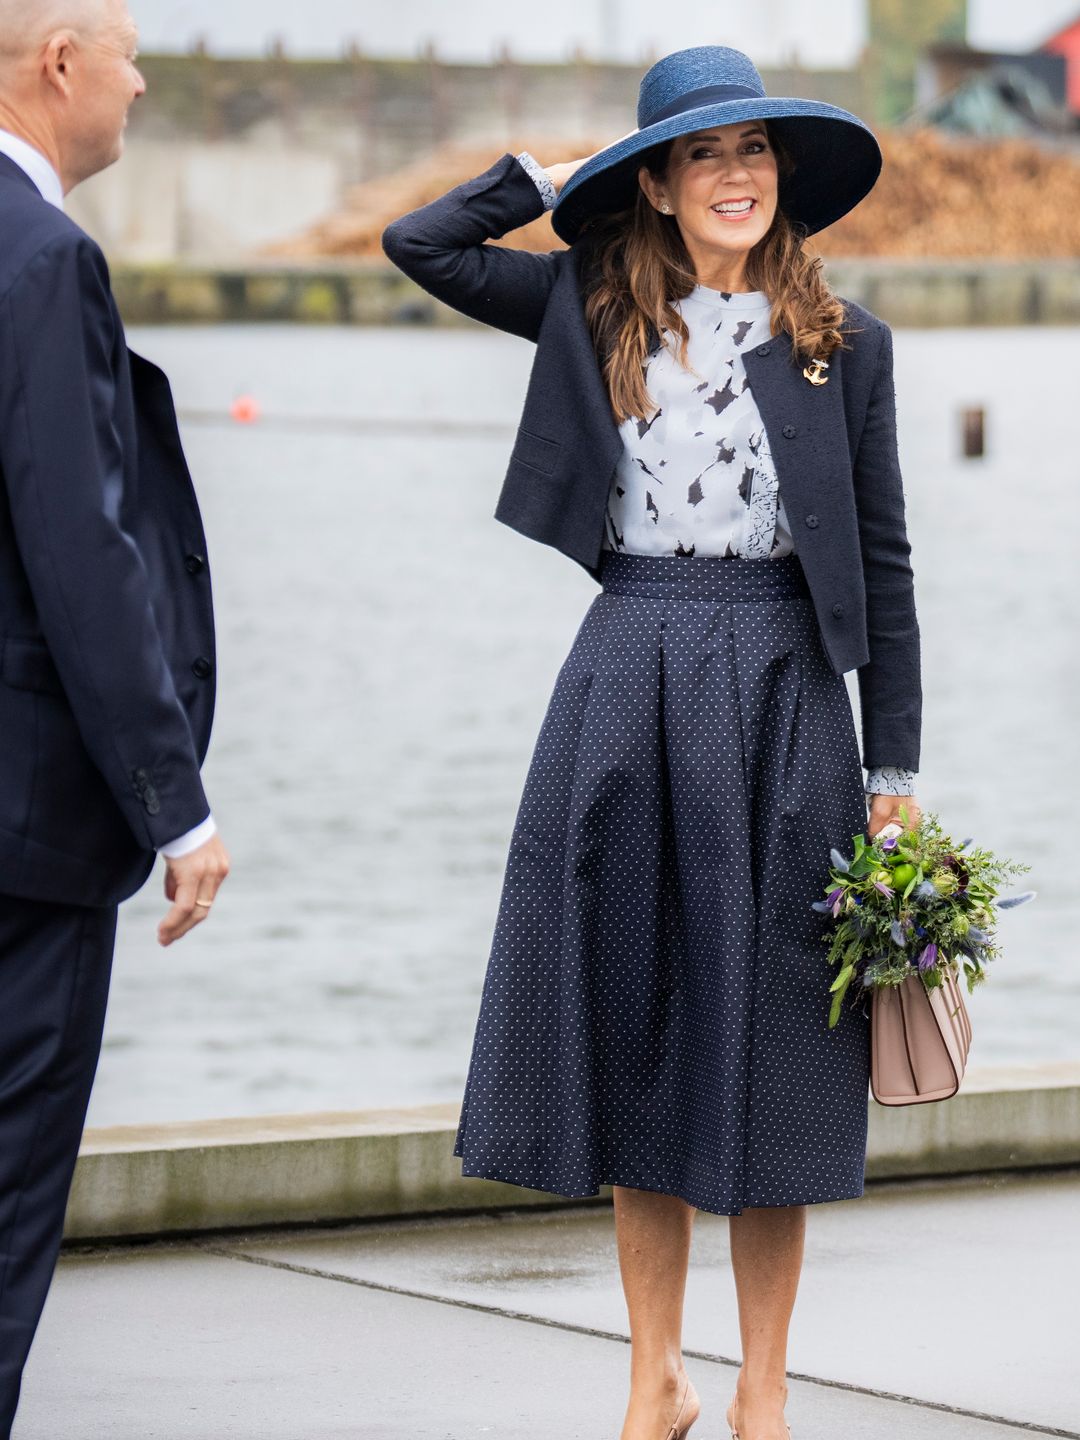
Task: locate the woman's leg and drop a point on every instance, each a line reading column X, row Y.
column 766, row 1256
column 653, row 1235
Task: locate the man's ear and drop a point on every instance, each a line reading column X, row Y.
column 58, row 61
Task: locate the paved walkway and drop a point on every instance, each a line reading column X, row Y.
column 933, row 1309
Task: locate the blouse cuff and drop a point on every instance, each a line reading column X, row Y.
column 890, row 780
column 540, row 178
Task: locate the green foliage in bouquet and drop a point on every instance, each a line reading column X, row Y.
column 913, row 902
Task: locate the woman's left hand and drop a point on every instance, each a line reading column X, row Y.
column 884, row 809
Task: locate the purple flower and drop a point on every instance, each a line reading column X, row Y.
column 959, row 869
column 890, row 843
column 928, row 958
column 884, row 889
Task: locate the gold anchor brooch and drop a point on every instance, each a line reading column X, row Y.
column 813, row 372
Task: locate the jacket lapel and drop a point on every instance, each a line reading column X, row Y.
column 805, row 424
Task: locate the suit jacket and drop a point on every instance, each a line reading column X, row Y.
column 107, row 663
column 834, row 445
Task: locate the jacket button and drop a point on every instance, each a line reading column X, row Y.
column 838, row 610
column 194, row 563
column 202, row 667
column 789, row 431
column 145, row 790
column 763, row 349
column 812, row 521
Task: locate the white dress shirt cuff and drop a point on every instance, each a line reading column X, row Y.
column 184, row 844
column 890, row 780
column 540, row 178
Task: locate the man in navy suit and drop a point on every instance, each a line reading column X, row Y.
column 106, row 631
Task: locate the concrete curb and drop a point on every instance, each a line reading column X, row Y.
column 134, row 1180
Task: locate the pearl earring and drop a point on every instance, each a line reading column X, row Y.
column 664, row 207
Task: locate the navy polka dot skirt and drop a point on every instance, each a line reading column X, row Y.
column 655, row 1007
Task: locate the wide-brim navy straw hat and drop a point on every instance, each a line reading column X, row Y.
column 837, row 157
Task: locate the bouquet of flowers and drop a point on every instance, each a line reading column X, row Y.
column 912, row 901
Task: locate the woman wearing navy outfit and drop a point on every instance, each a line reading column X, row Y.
column 710, row 432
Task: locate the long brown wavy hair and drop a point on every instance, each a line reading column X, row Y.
column 636, row 265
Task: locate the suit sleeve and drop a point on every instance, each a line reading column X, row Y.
column 441, row 246
column 63, row 467
column 890, row 689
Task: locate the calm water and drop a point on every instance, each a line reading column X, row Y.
column 387, row 650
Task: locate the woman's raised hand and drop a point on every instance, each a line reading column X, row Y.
column 560, row 173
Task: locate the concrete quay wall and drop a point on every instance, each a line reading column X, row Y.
column 373, row 292
column 185, row 1178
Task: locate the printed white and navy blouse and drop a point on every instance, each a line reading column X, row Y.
column 696, row 477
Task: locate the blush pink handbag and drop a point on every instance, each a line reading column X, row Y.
column 919, row 1041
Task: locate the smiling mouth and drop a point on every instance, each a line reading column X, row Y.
column 740, row 211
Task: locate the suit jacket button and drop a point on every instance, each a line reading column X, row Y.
column 194, row 563
column 812, row 521
column 838, row 610
column 763, row 349
column 202, row 667
column 789, row 431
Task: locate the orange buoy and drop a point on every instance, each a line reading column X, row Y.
column 245, row 410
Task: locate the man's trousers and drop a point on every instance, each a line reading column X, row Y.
column 55, row 964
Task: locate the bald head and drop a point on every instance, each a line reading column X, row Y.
column 25, row 34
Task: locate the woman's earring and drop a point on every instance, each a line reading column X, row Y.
column 664, row 207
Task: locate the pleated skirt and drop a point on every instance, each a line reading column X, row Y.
column 654, row 1011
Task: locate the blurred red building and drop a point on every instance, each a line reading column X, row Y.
column 1067, row 43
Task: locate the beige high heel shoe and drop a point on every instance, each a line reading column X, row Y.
column 687, row 1413
column 731, row 1422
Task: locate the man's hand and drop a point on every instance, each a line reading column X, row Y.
column 886, row 808
column 191, row 884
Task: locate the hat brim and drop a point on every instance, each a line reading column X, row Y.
column 837, row 161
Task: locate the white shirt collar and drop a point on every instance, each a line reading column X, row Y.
column 33, row 163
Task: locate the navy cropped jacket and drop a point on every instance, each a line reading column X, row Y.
column 834, row 445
